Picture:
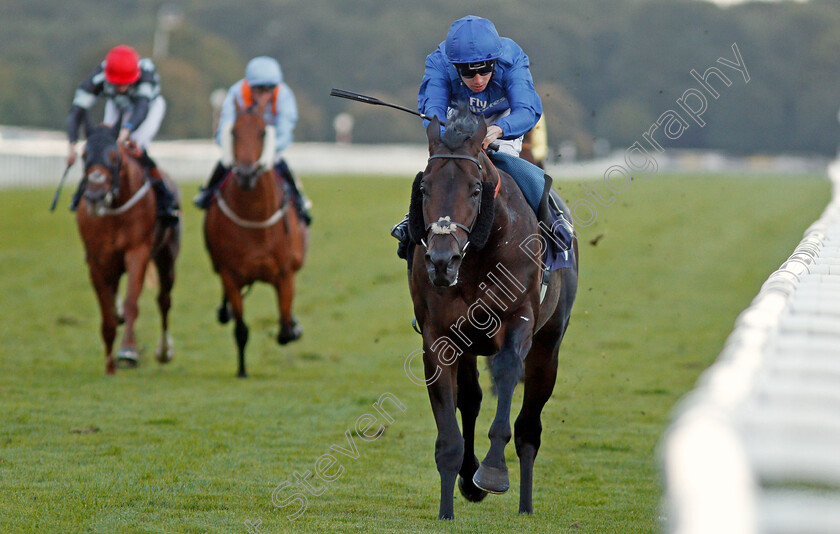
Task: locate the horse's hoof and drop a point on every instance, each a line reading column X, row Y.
column 223, row 314
column 492, row 479
column 127, row 358
column 289, row 334
column 446, row 512
column 470, row 491
column 165, row 351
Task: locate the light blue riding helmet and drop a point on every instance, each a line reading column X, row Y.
column 263, row 70
column 472, row 39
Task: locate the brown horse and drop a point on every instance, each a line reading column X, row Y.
column 253, row 233
column 119, row 228
column 476, row 286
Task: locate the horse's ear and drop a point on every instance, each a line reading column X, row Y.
column 115, row 161
column 484, row 222
column 478, row 138
column 236, row 106
column 416, row 224
column 433, row 133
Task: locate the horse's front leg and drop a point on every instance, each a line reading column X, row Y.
column 233, row 295
column 136, row 261
column 106, row 296
column 506, row 367
column 469, row 404
column 290, row 330
column 442, row 386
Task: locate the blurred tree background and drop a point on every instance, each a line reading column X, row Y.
column 605, row 68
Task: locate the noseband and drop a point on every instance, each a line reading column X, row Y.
column 97, row 177
column 446, row 226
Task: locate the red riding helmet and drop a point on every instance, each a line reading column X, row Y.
column 122, row 65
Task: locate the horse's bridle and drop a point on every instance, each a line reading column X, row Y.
column 444, row 225
column 97, row 177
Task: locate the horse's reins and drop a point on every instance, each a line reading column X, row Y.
column 135, row 198
column 271, row 221
column 444, row 225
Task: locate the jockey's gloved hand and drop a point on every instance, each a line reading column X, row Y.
column 494, row 132
column 134, row 149
column 122, row 138
column 71, row 155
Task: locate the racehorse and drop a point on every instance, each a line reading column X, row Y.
column 119, row 228
column 252, row 231
column 475, row 282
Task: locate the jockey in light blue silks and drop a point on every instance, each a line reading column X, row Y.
column 262, row 85
column 491, row 74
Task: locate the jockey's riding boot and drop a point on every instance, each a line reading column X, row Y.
column 301, row 203
column 205, row 194
column 167, row 211
column 400, row 231
column 77, row 196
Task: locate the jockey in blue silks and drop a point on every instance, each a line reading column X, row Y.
column 491, row 74
column 262, row 85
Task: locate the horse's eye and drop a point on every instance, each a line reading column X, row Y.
column 423, row 191
column 476, row 191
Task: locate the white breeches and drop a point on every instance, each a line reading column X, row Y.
column 146, row 131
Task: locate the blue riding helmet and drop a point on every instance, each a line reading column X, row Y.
column 472, row 39
column 263, row 70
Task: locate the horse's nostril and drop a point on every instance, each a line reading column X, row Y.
column 442, row 259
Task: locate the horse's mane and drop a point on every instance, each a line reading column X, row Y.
column 461, row 127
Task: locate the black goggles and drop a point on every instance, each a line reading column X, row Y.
column 482, row 68
column 264, row 88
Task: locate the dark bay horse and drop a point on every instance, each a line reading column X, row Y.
column 476, row 285
column 253, row 233
column 121, row 234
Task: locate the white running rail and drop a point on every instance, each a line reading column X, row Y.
column 755, row 447
column 39, row 162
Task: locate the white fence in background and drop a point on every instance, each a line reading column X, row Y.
column 30, row 158
column 755, row 448
column 40, row 161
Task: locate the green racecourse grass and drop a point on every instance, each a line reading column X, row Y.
column 187, row 447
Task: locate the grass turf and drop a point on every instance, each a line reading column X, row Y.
column 187, row 447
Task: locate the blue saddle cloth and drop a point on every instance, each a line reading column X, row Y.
column 532, row 181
